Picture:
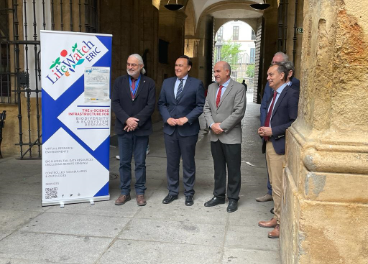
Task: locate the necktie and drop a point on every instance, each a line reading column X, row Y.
column 180, row 90
column 218, row 98
column 132, row 92
column 268, row 117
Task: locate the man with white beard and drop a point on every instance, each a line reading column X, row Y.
column 133, row 102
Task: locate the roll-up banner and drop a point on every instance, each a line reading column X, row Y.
column 75, row 78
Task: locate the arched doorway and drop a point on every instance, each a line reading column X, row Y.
column 234, row 42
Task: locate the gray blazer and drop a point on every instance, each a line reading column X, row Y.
column 229, row 113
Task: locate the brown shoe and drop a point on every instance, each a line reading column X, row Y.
column 122, row 199
column 275, row 233
column 265, row 198
column 268, row 224
column 140, row 200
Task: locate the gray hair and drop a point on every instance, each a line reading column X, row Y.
column 227, row 67
column 290, row 67
column 140, row 61
column 284, row 56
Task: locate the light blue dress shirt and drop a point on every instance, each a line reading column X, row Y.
column 224, row 86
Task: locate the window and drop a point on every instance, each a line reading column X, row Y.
column 235, row 32
column 252, row 55
column 4, row 54
column 253, row 35
column 163, row 51
column 220, row 34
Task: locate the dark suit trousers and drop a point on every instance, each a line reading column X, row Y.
column 178, row 146
column 230, row 155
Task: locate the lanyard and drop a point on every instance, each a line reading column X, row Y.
column 136, row 85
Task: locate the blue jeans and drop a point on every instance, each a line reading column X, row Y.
column 129, row 145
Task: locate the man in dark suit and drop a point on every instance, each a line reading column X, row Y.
column 268, row 91
column 180, row 104
column 224, row 110
column 281, row 113
column 133, row 101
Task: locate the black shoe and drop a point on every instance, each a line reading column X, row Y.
column 272, row 211
column 215, row 201
column 233, row 206
column 169, row 198
column 189, row 200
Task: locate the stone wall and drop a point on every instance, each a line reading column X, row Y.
column 326, row 175
column 134, row 26
column 258, row 90
column 270, row 35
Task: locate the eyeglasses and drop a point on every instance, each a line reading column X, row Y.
column 132, row 64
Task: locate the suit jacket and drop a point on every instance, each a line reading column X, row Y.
column 229, row 113
column 267, row 94
column 283, row 115
column 141, row 107
column 190, row 105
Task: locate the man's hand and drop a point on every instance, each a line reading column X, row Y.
column 131, row 124
column 171, row 121
column 128, row 129
column 216, row 128
column 265, row 131
column 181, row 121
column 260, row 131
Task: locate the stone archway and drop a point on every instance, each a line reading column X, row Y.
column 215, row 14
column 238, row 38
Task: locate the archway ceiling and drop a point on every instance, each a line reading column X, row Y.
column 235, row 14
column 233, row 9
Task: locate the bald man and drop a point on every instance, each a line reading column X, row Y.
column 224, row 109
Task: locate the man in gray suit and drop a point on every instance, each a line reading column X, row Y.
column 224, row 109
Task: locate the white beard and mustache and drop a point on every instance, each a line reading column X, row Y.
column 132, row 72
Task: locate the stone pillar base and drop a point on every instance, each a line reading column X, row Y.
column 325, row 202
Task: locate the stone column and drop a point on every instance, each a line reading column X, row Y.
column 269, row 39
column 171, row 29
column 191, row 50
column 325, row 200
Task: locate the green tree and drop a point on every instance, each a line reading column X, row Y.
column 250, row 70
column 230, row 53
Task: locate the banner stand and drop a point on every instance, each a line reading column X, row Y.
column 76, row 113
column 91, row 201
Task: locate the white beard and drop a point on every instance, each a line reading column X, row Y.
column 133, row 73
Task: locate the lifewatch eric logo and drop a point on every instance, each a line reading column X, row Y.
column 66, row 64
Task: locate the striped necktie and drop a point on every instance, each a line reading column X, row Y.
column 180, row 90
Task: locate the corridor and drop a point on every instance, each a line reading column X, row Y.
column 155, row 233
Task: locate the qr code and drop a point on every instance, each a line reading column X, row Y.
column 51, row 193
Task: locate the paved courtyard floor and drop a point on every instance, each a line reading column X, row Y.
column 155, row 233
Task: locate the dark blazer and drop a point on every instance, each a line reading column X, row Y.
column 142, row 107
column 284, row 114
column 267, row 94
column 190, row 105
